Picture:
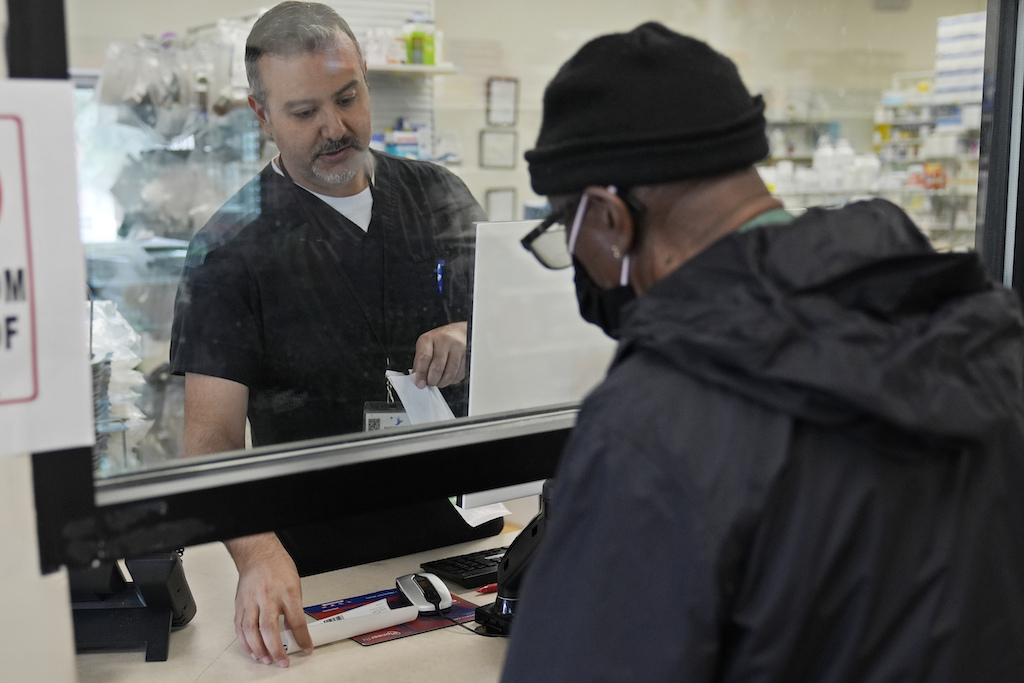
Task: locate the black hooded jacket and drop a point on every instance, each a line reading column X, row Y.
column 806, row 464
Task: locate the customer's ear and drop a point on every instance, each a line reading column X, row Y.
column 611, row 219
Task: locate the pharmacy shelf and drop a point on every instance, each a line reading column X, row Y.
column 417, row 69
column 849, row 193
column 935, row 159
column 797, row 122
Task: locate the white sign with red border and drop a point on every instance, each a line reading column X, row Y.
column 45, row 384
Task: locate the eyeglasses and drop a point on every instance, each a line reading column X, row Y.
column 548, row 240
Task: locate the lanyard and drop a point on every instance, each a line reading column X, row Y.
column 303, row 197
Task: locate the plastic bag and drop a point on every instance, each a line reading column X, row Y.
column 120, row 424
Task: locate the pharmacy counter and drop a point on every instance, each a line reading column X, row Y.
column 207, row 649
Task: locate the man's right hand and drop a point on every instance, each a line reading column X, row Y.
column 268, row 583
column 268, row 587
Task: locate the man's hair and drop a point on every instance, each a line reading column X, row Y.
column 292, row 28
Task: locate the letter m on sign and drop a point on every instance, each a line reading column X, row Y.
column 14, row 285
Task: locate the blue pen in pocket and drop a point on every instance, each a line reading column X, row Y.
column 440, row 276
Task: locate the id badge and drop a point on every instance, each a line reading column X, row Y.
column 379, row 415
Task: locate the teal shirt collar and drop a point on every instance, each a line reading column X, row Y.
column 771, row 217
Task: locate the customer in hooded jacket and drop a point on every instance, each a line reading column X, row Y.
column 806, row 462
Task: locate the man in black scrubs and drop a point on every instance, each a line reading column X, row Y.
column 333, row 265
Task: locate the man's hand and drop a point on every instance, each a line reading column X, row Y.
column 268, row 583
column 268, row 586
column 441, row 356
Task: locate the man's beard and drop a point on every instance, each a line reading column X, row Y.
column 343, row 178
column 331, row 147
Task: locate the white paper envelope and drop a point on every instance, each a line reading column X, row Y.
column 421, row 405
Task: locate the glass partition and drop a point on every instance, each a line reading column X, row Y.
column 876, row 98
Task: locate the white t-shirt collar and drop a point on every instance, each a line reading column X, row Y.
column 358, row 208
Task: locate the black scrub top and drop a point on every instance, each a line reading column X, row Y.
column 285, row 295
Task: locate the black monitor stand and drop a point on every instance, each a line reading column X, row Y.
column 111, row 613
column 497, row 617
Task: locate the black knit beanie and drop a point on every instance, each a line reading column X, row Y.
column 644, row 107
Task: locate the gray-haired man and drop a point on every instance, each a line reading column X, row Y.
column 290, row 311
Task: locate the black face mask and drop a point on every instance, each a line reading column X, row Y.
column 602, row 307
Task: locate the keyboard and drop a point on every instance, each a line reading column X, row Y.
column 469, row 571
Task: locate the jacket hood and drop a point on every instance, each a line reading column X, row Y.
column 841, row 315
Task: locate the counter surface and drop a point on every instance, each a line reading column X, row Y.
column 207, row 650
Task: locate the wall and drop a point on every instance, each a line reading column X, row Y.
column 844, row 51
column 93, row 24
column 833, row 43
column 533, row 42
